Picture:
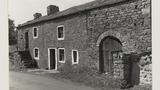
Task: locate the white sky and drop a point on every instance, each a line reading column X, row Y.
column 22, row 10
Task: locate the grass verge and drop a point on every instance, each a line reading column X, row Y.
column 92, row 78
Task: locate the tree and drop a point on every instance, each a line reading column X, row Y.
column 12, row 32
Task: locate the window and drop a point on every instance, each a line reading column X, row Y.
column 75, row 57
column 60, row 32
column 61, row 55
column 35, row 32
column 36, row 53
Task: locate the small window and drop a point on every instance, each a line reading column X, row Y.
column 35, row 32
column 60, row 32
column 36, row 53
column 75, row 57
column 61, row 55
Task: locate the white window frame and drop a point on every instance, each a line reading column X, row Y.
column 33, row 32
column 49, row 58
column 64, row 55
column 73, row 57
column 63, row 32
column 37, row 58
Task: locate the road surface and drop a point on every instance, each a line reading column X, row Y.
column 26, row 81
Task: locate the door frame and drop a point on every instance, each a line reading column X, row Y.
column 49, row 67
column 101, row 54
column 26, row 40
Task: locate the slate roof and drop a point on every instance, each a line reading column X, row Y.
column 73, row 10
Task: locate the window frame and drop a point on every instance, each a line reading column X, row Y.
column 37, row 58
column 59, row 54
column 58, row 33
column 33, row 32
column 77, row 61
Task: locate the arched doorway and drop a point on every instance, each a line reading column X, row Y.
column 109, row 48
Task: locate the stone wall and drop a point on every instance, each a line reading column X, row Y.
column 75, row 36
column 33, row 42
column 130, row 22
column 122, row 68
column 134, row 68
column 17, row 60
column 20, row 39
column 146, row 69
column 143, row 63
column 118, row 69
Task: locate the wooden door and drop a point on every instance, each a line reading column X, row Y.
column 52, row 59
column 110, row 45
column 106, row 61
column 135, row 74
column 26, row 41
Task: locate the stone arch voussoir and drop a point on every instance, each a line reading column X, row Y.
column 108, row 33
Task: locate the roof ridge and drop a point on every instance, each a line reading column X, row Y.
column 74, row 9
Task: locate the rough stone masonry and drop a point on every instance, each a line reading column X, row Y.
column 128, row 22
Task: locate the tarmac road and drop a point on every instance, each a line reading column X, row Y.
column 26, row 81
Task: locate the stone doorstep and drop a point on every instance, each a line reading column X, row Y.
column 118, row 62
column 42, row 71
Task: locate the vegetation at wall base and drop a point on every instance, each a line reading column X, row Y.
column 92, row 78
column 84, row 75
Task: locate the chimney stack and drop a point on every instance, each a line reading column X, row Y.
column 37, row 15
column 52, row 9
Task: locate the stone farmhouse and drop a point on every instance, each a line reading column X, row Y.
column 100, row 35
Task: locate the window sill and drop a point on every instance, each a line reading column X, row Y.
column 74, row 63
column 36, row 58
column 60, row 38
column 35, row 37
column 62, row 61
